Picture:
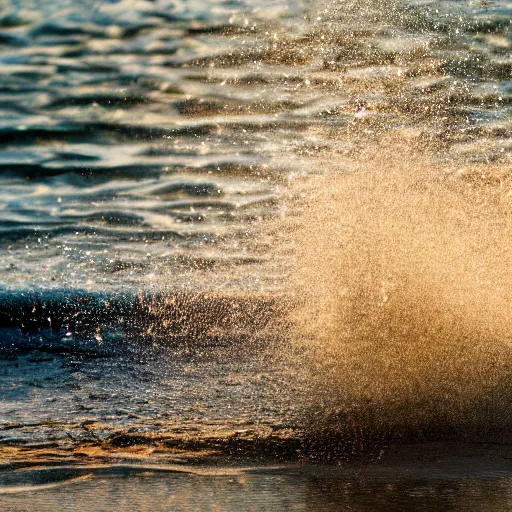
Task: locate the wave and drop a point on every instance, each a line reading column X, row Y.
column 106, row 323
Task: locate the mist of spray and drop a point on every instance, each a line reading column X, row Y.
column 403, row 291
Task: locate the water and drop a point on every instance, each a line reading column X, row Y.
column 170, row 190
column 262, row 488
column 405, row 301
column 143, row 143
column 126, row 161
column 288, row 488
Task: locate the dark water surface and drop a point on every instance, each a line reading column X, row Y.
column 125, row 154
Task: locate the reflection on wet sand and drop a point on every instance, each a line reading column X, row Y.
column 229, row 489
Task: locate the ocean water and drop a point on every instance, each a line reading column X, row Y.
column 143, row 142
column 167, row 197
column 127, row 159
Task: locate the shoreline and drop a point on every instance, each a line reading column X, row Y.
column 463, row 458
column 235, row 447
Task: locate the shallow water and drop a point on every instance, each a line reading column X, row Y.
column 287, row 488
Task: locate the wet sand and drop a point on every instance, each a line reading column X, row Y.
column 432, row 478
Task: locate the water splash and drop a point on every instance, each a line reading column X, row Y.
column 404, row 292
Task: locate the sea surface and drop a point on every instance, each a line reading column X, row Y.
column 143, row 142
column 148, row 150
